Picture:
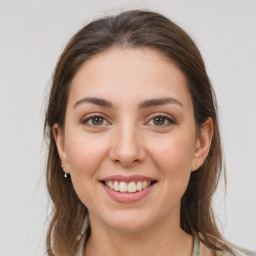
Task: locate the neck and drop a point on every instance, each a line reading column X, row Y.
column 162, row 239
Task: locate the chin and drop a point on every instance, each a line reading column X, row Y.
column 129, row 222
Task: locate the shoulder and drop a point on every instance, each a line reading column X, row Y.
column 236, row 252
column 243, row 252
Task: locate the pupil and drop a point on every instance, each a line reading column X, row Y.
column 97, row 120
column 159, row 121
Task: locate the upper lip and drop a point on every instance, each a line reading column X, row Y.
column 128, row 179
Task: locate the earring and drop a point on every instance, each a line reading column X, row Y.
column 65, row 174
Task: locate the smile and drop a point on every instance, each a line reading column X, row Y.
column 128, row 189
column 125, row 187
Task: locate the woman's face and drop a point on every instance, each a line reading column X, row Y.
column 129, row 126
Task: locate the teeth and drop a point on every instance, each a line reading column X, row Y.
column 132, row 187
column 110, row 184
column 125, row 187
column 139, row 186
column 116, row 186
column 144, row 184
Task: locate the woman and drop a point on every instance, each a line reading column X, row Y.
column 134, row 146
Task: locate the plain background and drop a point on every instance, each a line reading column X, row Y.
column 32, row 36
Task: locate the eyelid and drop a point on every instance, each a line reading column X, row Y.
column 87, row 117
column 170, row 118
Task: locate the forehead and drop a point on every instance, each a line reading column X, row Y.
column 121, row 73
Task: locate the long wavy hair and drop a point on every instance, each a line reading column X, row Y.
column 134, row 29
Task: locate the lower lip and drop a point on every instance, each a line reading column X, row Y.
column 128, row 197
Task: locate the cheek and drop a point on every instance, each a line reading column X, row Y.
column 174, row 154
column 173, row 158
column 84, row 156
column 84, row 153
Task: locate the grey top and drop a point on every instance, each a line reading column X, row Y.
column 196, row 249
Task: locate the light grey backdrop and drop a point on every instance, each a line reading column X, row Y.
column 32, row 35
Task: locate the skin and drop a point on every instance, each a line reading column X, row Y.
column 131, row 141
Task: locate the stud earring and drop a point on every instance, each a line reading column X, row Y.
column 65, row 174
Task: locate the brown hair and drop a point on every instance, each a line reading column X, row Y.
column 136, row 28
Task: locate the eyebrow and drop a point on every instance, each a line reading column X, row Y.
column 160, row 101
column 144, row 104
column 96, row 101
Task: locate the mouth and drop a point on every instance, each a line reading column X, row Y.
column 128, row 187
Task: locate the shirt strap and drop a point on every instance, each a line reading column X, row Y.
column 196, row 246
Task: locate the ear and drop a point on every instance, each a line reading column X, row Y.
column 203, row 144
column 58, row 134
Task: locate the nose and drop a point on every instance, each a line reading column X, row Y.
column 127, row 146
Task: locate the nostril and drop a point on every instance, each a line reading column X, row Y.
column 126, row 163
column 125, row 152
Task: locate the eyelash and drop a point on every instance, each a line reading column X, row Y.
column 170, row 120
column 90, row 118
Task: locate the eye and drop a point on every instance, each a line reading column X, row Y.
column 161, row 120
column 95, row 120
